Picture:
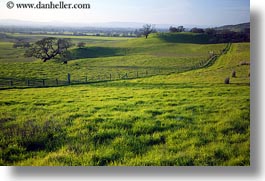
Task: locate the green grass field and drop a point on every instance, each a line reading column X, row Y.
column 175, row 119
column 106, row 56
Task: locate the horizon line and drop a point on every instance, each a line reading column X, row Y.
column 100, row 24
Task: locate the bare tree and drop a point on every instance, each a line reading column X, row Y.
column 48, row 48
column 147, row 30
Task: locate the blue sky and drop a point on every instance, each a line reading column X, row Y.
column 178, row 12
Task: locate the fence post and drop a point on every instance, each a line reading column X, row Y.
column 86, row 79
column 69, row 78
column 57, row 83
column 146, row 73
column 11, row 83
column 43, row 82
column 28, row 83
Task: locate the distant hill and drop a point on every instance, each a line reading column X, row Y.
column 232, row 36
column 235, row 28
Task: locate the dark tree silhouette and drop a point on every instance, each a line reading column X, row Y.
column 48, row 48
column 173, row 29
column 21, row 44
column 81, row 44
column 197, row 30
column 210, row 31
column 147, row 30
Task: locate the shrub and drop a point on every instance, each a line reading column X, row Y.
column 234, row 73
column 81, row 44
column 227, row 80
column 48, row 136
column 19, row 141
column 244, row 63
column 21, row 44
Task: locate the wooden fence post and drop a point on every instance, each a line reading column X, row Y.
column 28, row 83
column 86, row 79
column 57, row 82
column 43, row 82
column 69, row 78
column 11, row 83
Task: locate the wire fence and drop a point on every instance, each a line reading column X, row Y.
column 75, row 79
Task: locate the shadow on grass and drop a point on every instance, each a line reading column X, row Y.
column 164, row 85
column 200, row 38
column 187, row 38
column 96, row 52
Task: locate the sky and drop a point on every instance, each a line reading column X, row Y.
column 176, row 12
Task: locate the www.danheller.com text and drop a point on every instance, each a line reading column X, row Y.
column 50, row 5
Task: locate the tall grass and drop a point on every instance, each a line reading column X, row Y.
column 181, row 119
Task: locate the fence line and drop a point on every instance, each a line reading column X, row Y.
column 71, row 79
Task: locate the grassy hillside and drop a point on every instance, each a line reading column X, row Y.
column 189, row 118
column 104, row 56
column 9, row 55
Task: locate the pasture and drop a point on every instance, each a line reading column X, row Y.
column 183, row 116
column 105, row 57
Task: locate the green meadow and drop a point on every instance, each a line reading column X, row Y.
column 183, row 114
column 107, row 57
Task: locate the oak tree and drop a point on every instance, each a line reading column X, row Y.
column 48, row 48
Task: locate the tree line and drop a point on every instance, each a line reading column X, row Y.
column 217, row 36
